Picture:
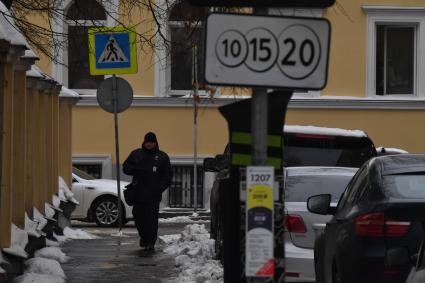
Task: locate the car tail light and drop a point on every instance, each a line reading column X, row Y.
column 375, row 225
column 294, row 223
column 396, row 228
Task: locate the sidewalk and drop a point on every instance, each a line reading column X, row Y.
column 116, row 259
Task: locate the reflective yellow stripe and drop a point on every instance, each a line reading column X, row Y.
column 275, row 162
column 274, row 141
column 241, row 138
column 241, row 159
column 245, row 138
column 245, row 159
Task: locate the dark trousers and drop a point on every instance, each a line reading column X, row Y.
column 146, row 219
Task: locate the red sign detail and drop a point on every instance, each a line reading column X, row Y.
column 267, row 269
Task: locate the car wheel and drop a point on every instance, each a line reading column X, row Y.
column 219, row 251
column 105, row 212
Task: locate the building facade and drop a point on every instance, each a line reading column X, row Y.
column 376, row 65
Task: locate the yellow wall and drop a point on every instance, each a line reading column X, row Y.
column 93, row 130
column 347, row 58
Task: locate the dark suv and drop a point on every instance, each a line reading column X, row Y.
column 303, row 146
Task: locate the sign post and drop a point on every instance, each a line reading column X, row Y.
column 113, row 51
column 263, row 52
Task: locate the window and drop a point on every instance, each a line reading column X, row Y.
column 395, row 59
column 181, row 192
column 395, row 40
column 80, row 16
column 185, row 33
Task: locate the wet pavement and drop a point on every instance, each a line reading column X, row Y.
column 111, row 259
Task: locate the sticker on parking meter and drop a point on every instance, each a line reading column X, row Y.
column 259, row 222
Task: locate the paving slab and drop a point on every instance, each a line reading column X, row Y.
column 110, row 259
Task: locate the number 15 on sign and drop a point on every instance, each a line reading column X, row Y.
column 267, row 51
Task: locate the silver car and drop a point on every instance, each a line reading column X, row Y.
column 301, row 226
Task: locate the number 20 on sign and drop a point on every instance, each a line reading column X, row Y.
column 267, row 51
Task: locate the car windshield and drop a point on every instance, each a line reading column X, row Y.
column 300, row 188
column 405, row 186
column 82, row 174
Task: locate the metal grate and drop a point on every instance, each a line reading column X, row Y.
column 181, row 190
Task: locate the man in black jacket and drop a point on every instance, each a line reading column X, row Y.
column 151, row 171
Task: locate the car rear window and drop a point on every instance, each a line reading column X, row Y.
column 310, row 150
column 300, row 188
column 405, row 186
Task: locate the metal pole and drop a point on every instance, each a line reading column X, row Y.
column 117, row 152
column 195, row 129
column 259, row 115
column 259, row 129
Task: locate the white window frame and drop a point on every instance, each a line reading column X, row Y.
column 396, row 16
column 60, row 28
column 163, row 59
column 104, row 160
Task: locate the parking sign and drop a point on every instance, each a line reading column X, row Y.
column 267, row 51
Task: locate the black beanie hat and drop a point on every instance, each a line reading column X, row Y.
column 150, row 137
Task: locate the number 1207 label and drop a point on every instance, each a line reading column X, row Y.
column 266, row 51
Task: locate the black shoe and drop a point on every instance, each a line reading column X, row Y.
column 150, row 248
column 142, row 245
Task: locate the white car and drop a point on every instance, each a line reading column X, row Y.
column 98, row 199
column 302, row 226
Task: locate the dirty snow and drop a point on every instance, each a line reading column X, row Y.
column 19, row 239
column 54, row 253
column 77, row 234
column 194, row 252
column 38, row 278
column 45, row 266
column 31, row 227
column 181, row 219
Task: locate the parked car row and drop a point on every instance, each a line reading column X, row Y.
column 342, row 223
column 378, row 226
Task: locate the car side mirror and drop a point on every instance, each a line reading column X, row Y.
column 209, row 165
column 320, row 204
column 74, row 180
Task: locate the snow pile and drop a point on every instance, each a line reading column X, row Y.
column 38, row 278
column 54, row 253
column 45, row 266
column 31, row 227
column 63, row 189
column 38, row 217
column 194, row 251
column 181, row 219
column 77, row 234
column 19, row 239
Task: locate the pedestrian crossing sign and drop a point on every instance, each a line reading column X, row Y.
column 112, row 51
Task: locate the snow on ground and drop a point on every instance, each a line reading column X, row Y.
column 52, row 253
column 45, row 266
column 181, row 219
column 38, row 278
column 77, row 234
column 194, row 251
